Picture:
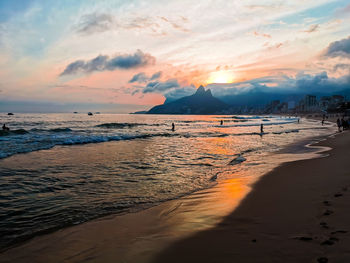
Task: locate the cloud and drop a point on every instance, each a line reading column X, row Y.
column 312, row 28
column 101, row 22
column 343, row 11
column 179, row 93
column 300, row 84
column 175, row 25
column 160, row 87
column 255, row 33
column 339, row 48
column 341, row 66
column 142, row 78
column 94, row 23
column 156, row 75
column 103, row 63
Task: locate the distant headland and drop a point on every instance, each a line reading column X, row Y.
column 201, row 102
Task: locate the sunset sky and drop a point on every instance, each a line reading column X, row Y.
column 140, row 52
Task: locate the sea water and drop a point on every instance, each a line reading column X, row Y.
column 58, row 170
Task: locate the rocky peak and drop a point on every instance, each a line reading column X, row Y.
column 200, row 90
column 208, row 93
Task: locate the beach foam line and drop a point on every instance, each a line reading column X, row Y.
column 119, row 125
column 50, row 142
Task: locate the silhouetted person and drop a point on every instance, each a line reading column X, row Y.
column 173, row 127
column 339, row 124
column 322, row 122
column 344, row 124
column 4, row 128
column 221, row 122
column 298, row 120
column 261, row 128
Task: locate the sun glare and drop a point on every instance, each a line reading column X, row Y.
column 220, row 77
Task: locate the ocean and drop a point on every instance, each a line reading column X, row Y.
column 58, row 170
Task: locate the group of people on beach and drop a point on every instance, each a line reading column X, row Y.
column 343, row 124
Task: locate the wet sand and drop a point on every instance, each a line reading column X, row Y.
column 296, row 213
column 284, row 219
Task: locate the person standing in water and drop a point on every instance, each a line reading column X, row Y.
column 221, row 122
column 261, row 128
column 173, row 127
column 4, row 128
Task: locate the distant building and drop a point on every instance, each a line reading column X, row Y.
column 308, row 104
column 283, row 107
column 337, row 99
column 291, row 105
column 324, row 102
column 335, row 103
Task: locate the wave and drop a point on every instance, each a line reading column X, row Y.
column 13, row 132
column 286, row 131
column 118, row 125
column 51, row 130
column 255, row 124
column 49, row 142
column 237, row 160
column 61, row 130
column 46, row 142
column 251, row 117
column 106, row 138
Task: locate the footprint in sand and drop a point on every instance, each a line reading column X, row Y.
column 324, row 225
column 327, row 243
column 327, row 203
column 339, row 232
column 322, row 260
column 328, row 212
column 330, row 241
column 304, row 238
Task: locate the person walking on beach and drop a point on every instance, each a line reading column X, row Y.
column 339, row 124
column 173, row 127
column 322, row 122
column 261, row 128
column 221, row 122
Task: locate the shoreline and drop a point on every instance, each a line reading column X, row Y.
column 295, row 213
column 78, row 243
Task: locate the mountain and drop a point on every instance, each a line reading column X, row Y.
column 202, row 102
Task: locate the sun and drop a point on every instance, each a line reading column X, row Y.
column 220, row 77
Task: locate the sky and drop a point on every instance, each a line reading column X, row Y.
column 138, row 53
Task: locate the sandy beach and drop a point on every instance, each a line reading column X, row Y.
column 295, row 213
